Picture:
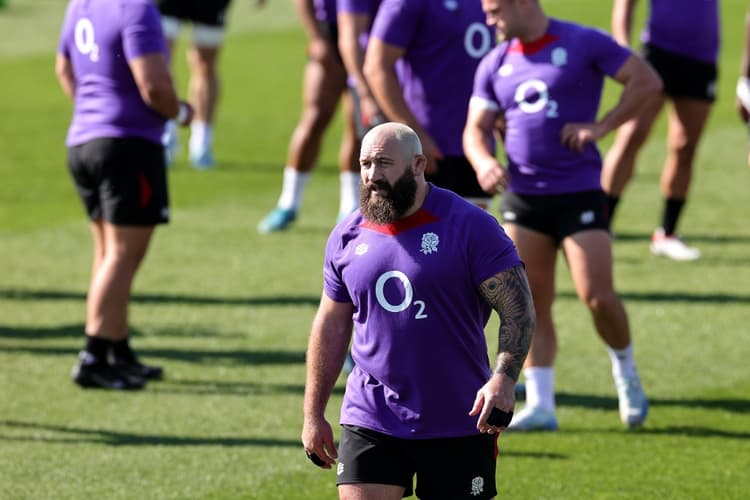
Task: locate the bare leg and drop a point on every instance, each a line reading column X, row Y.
column 687, row 120
column 589, row 255
column 323, row 84
column 204, row 84
column 109, row 294
column 619, row 163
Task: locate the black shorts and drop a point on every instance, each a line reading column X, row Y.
column 121, row 180
column 208, row 12
column 557, row 215
column 683, row 76
column 447, row 468
column 456, row 174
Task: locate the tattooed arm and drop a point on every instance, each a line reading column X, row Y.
column 509, row 294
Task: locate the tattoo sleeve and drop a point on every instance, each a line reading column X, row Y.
column 509, row 294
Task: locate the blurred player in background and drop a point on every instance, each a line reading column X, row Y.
column 438, row 45
column 208, row 21
column 323, row 85
column 112, row 61
column 743, row 84
column 355, row 18
column 545, row 81
column 681, row 42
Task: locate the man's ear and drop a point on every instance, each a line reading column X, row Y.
column 420, row 163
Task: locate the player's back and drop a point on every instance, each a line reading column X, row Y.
column 100, row 38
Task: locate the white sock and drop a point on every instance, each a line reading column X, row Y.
column 293, row 188
column 170, row 133
column 540, row 387
column 201, row 137
column 348, row 192
column 623, row 364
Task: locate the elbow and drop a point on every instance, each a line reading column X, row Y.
column 372, row 70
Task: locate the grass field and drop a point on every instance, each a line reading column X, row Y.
column 227, row 311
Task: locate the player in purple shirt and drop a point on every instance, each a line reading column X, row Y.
column 207, row 19
column 355, row 18
column 545, row 82
column 112, row 62
column 324, row 84
column 681, row 41
column 438, row 45
column 416, row 271
column 743, row 83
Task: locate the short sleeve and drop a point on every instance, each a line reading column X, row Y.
column 397, row 21
column 142, row 33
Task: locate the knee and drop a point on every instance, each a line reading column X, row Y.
column 603, row 302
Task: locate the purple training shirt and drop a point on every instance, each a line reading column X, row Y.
column 444, row 41
column 100, row 38
column 540, row 87
column 419, row 343
column 689, row 28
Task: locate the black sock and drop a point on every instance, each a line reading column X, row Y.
column 122, row 352
column 612, row 202
column 97, row 347
column 672, row 211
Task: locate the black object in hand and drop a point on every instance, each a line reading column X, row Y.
column 499, row 418
column 315, row 459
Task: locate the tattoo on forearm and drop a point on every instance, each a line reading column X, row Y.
column 509, row 294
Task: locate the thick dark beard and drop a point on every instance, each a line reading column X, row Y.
column 392, row 205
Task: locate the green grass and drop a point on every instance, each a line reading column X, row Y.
column 227, row 312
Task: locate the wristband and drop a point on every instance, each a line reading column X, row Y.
column 183, row 113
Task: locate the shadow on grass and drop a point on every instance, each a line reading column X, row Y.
column 52, row 332
column 667, row 297
column 733, row 405
column 302, row 300
column 213, row 388
column 627, row 236
column 163, row 298
column 116, row 438
column 76, row 435
column 234, row 356
column 229, row 357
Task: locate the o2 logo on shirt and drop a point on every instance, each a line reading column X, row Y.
column 539, row 89
column 477, row 40
column 84, row 38
column 408, row 294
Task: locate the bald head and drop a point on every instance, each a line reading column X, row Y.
column 405, row 138
column 392, row 168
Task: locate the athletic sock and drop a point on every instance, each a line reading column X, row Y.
column 96, row 349
column 122, row 352
column 623, row 363
column 293, row 188
column 201, row 136
column 348, row 192
column 540, row 387
column 612, row 202
column 672, row 211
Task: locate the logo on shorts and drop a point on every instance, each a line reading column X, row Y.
column 361, row 249
column 477, row 486
column 587, row 217
column 430, row 243
column 340, row 468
